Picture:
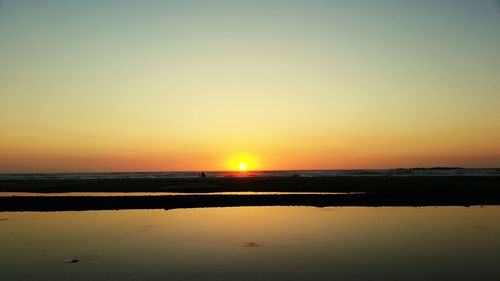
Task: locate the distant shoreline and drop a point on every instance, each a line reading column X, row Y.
column 414, row 171
column 378, row 191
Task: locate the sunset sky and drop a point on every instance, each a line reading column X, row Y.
column 199, row 85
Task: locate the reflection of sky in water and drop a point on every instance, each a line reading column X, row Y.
column 264, row 243
column 117, row 194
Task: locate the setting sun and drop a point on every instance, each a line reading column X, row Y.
column 243, row 166
column 243, row 162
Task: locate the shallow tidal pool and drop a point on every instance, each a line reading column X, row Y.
column 253, row 243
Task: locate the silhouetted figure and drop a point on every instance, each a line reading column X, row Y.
column 203, row 175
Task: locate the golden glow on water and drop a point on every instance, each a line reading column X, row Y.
column 295, row 243
column 118, row 194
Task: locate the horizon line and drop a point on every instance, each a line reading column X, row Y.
column 251, row 171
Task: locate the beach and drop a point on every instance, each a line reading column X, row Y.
column 331, row 191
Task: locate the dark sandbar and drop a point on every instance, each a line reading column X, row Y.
column 377, row 191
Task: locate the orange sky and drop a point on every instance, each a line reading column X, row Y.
column 123, row 86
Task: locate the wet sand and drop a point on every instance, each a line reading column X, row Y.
column 377, row 191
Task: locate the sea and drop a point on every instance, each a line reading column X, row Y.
column 400, row 172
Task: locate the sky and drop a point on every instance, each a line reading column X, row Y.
column 89, row 86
